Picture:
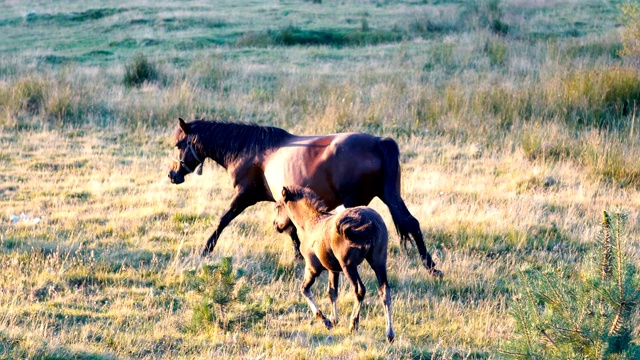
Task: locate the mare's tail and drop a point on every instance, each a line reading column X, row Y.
column 391, row 190
column 407, row 226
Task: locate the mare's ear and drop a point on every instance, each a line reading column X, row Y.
column 184, row 126
column 285, row 193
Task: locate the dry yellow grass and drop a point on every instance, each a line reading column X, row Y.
column 100, row 273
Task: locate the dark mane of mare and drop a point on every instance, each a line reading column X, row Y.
column 225, row 142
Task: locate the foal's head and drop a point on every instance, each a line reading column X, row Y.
column 297, row 203
column 188, row 159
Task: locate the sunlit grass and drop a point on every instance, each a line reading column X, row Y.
column 516, row 123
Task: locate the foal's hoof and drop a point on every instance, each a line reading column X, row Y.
column 324, row 320
column 391, row 336
column 328, row 324
column 205, row 252
column 354, row 325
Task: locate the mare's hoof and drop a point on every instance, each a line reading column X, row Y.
column 328, row 324
column 298, row 257
column 431, row 268
column 436, row 273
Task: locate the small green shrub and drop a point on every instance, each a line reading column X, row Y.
column 561, row 313
column 139, row 71
column 222, row 297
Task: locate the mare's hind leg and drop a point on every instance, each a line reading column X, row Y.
column 409, row 228
column 309, row 278
column 385, row 294
column 334, row 278
column 351, row 272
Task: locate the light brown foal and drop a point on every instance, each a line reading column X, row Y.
column 337, row 243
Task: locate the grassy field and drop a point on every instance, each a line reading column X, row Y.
column 516, row 122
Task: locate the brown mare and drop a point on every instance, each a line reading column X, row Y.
column 347, row 169
column 337, row 243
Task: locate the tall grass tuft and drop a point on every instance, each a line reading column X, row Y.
column 630, row 20
column 609, row 160
column 595, row 97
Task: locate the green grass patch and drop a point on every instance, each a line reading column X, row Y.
column 71, row 17
column 295, row 36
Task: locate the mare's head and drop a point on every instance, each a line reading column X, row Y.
column 188, row 159
column 299, row 203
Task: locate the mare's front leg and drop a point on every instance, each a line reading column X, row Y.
column 241, row 200
column 293, row 233
column 309, row 278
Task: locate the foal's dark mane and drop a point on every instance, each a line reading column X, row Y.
column 225, row 142
column 311, row 197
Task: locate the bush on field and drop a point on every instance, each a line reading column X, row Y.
column 139, row 71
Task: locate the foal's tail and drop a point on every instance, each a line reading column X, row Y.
column 357, row 230
column 391, row 188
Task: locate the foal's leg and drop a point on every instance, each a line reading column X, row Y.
column 385, row 295
column 351, row 272
column 334, row 278
column 309, row 278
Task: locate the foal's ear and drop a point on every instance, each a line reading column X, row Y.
column 184, row 126
column 285, row 193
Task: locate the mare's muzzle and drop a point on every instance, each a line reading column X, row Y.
column 176, row 177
